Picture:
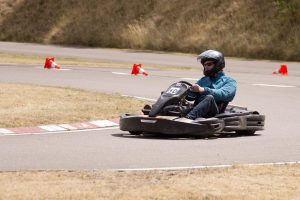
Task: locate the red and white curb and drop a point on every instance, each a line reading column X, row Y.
column 59, row 127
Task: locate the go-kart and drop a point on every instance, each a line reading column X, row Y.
column 166, row 116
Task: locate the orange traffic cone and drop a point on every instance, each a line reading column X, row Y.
column 49, row 63
column 283, row 70
column 137, row 69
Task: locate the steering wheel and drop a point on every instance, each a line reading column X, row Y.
column 190, row 85
column 185, row 82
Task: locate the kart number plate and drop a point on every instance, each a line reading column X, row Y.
column 173, row 90
column 148, row 121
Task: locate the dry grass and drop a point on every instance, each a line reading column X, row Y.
column 7, row 7
column 28, row 105
column 10, row 58
column 251, row 28
column 239, row 182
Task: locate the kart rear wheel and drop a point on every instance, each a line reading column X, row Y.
column 135, row 132
column 246, row 132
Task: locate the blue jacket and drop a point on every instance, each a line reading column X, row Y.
column 222, row 88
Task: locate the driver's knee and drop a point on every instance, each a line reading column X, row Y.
column 209, row 98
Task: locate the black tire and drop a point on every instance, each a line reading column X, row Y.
column 246, row 132
column 135, row 132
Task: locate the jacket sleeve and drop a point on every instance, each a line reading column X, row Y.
column 225, row 93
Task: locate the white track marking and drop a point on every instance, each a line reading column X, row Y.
column 142, row 98
column 103, row 123
column 67, row 126
column 196, row 79
column 267, row 85
column 63, row 69
column 5, row 131
column 204, row 167
column 121, row 73
column 52, row 128
column 42, row 68
column 190, row 79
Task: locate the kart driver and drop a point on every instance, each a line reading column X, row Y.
column 215, row 90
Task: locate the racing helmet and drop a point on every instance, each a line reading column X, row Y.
column 215, row 56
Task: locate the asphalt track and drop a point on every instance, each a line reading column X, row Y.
column 273, row 95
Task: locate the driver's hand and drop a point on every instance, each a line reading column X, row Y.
column 197, row 88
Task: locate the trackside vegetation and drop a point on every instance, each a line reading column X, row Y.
column 235, row 183
column 24, row 105
column 268, row 29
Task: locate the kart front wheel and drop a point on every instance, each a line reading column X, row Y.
column 246, row 132
column 135, row 132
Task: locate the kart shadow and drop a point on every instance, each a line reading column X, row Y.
column 179, row 137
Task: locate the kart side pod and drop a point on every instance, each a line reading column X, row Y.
column 138, row 124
